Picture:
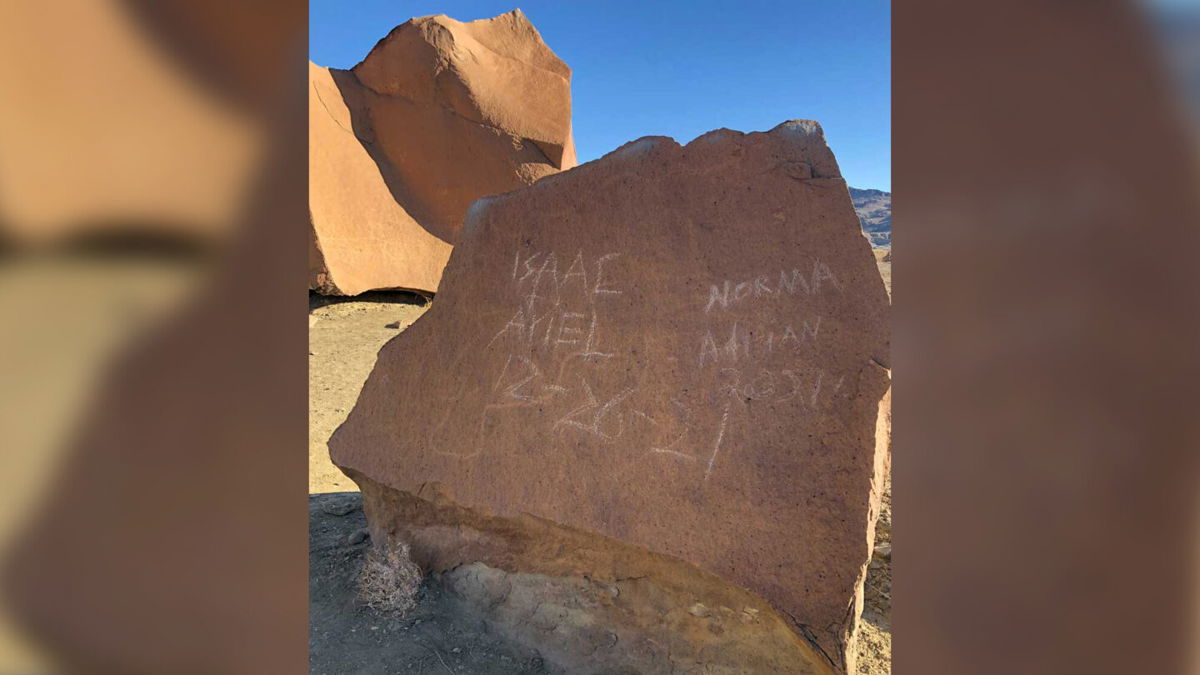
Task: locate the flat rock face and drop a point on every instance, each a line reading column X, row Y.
column 681, row 348
column 439, row 114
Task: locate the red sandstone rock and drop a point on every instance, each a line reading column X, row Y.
column 681, row 348
column 360, row 237
column 496, row 72
column 439, row 114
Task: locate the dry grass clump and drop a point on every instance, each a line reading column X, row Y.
column 389, row 579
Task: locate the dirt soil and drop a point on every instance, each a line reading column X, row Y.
column 875, row 631
column 438, row 636
column 344, row 337
column 346, row 636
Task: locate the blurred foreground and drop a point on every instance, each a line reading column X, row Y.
column 153, row 386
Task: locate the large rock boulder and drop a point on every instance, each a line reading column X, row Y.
column 677, row 351
column 439, row 114
column 360, row 237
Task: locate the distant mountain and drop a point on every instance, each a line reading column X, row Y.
column 874, row 208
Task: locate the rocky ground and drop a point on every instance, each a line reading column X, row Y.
column 437, row 636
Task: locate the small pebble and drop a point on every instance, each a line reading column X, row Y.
column 339, row 508
column 357, row 537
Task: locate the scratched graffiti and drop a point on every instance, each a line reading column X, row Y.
column 557, row 340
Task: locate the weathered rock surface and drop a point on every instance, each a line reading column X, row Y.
column 587, row 603
column 679, row 350
column 439, row 114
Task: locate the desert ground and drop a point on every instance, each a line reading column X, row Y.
column 345, row 335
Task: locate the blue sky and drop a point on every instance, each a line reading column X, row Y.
column 680, row 68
